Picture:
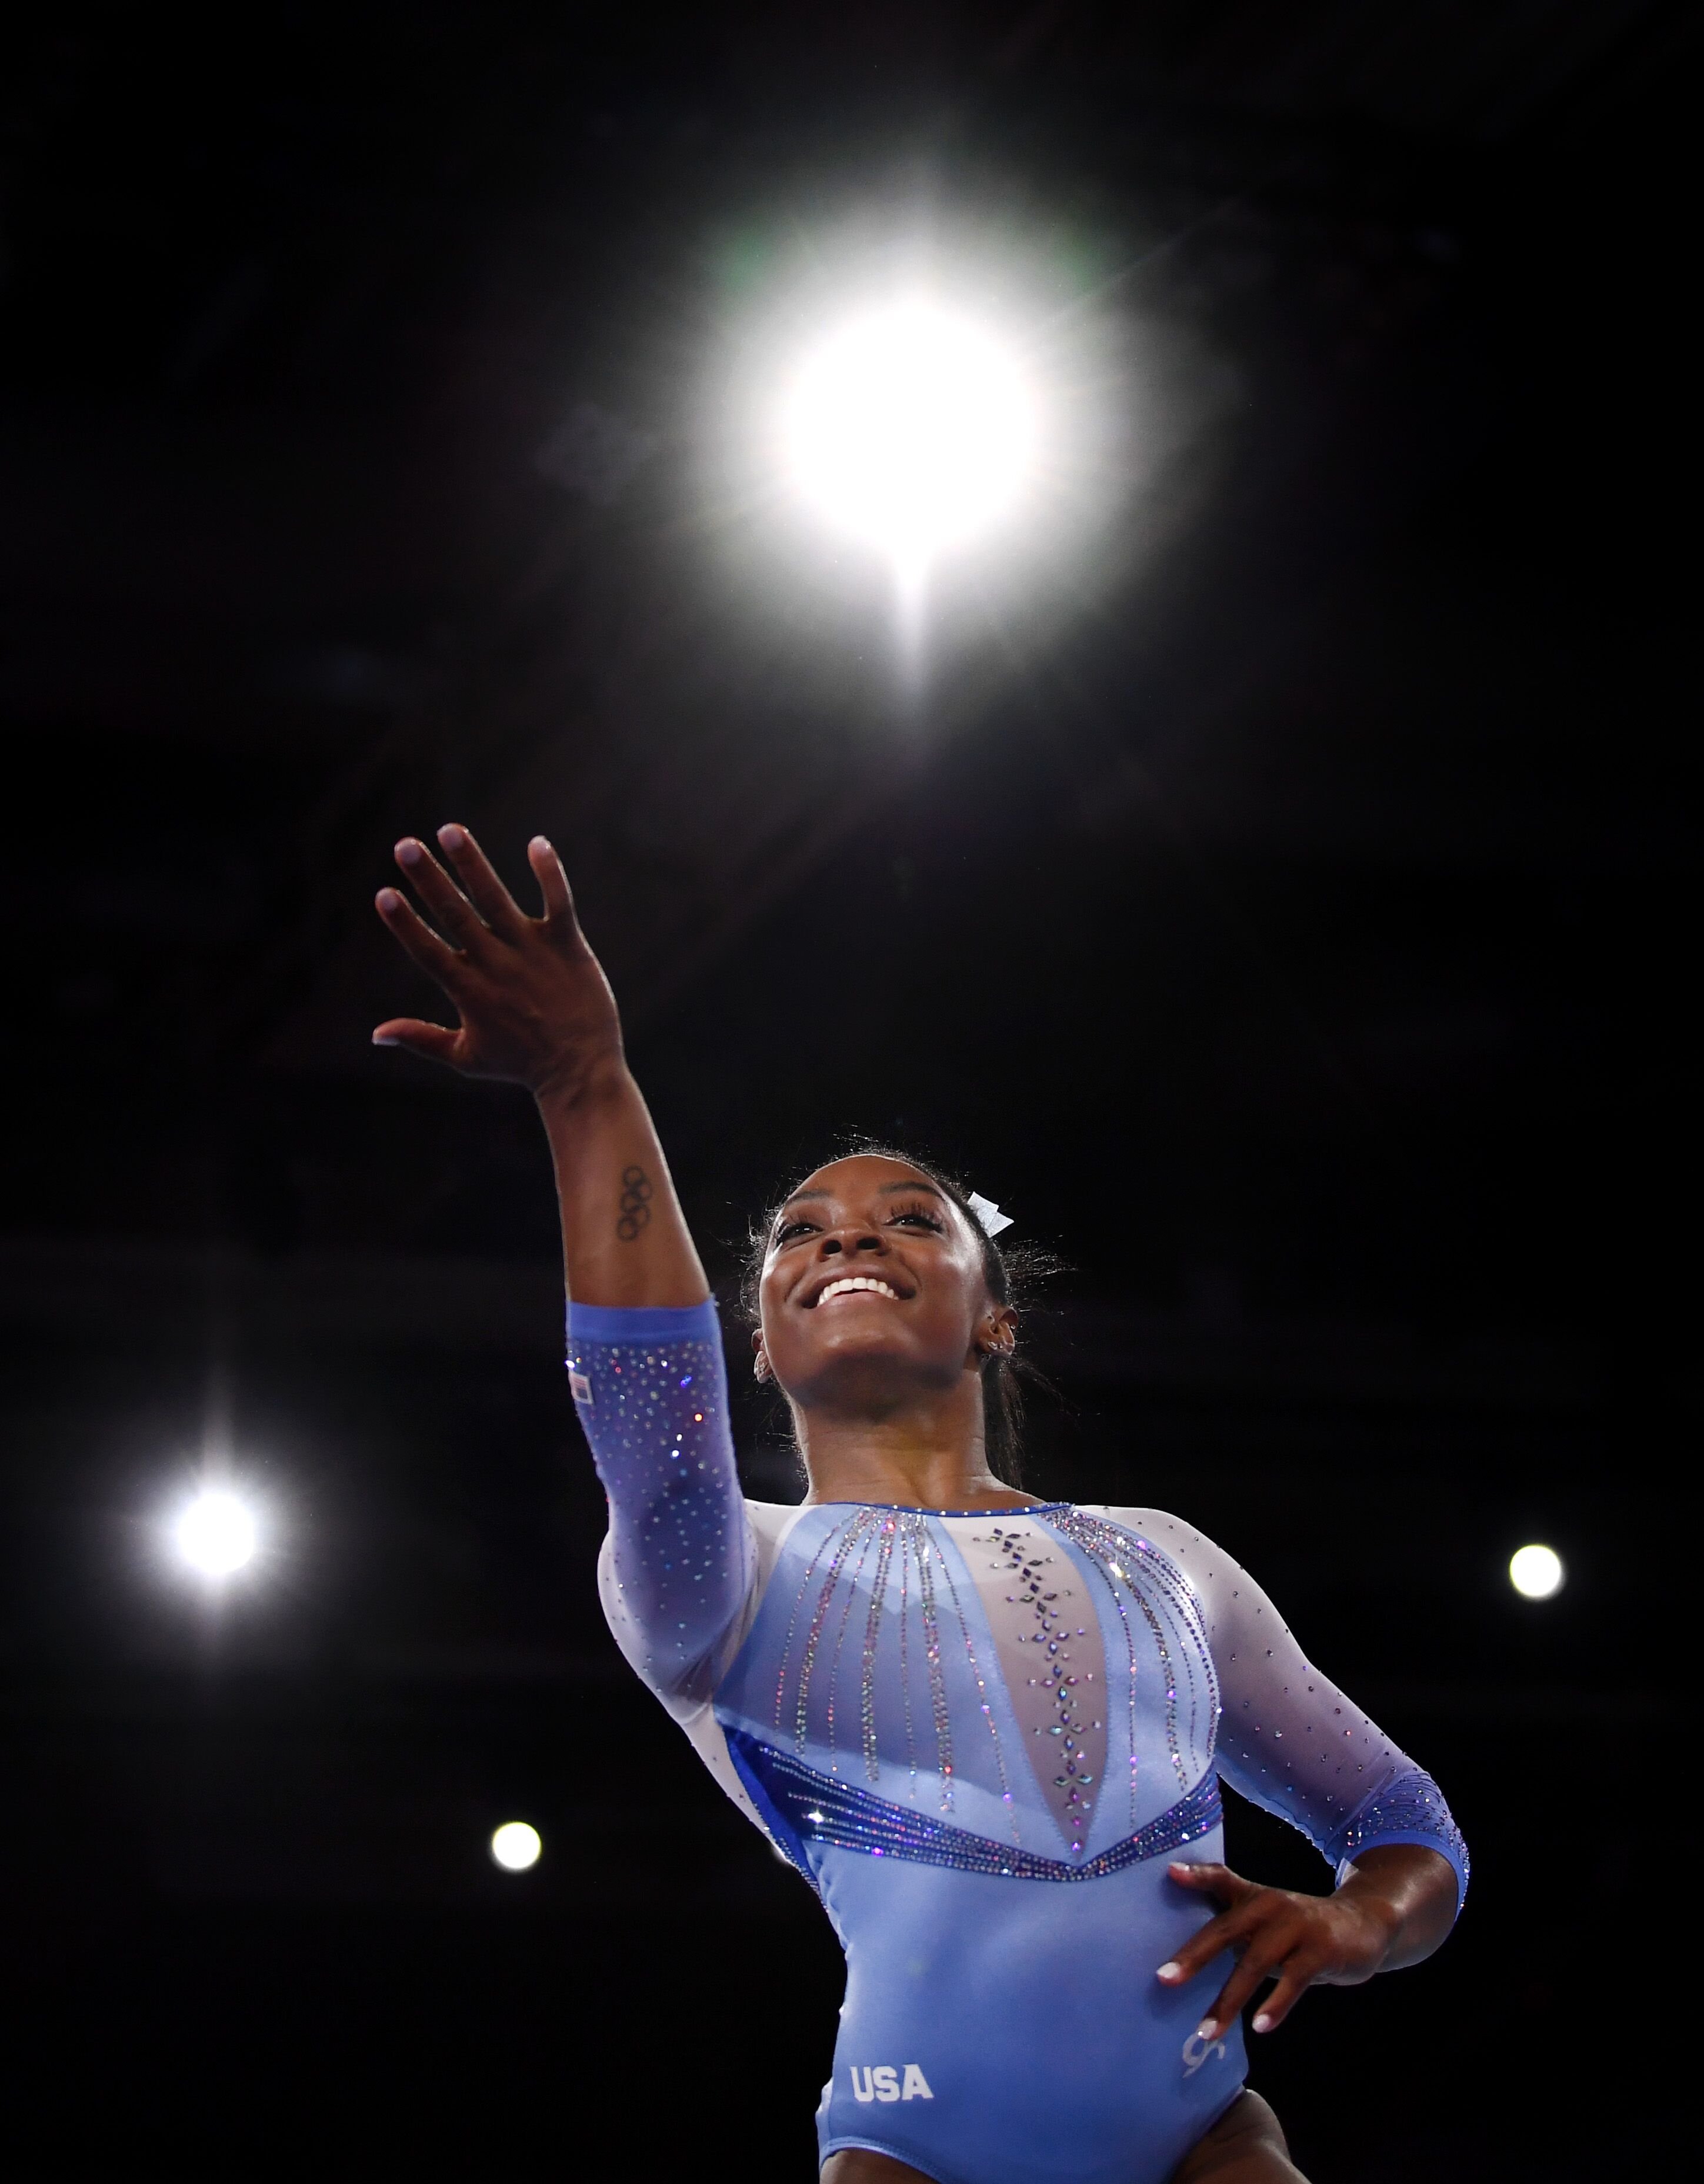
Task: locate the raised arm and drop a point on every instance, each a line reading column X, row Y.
column 645, row 1350
column 537, row 1010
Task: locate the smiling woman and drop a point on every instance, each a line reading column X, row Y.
column 1006, row 1274
column 988, row 1730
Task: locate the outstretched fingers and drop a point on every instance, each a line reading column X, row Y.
column 433, row 1042
column 1224, row 1886
column 1293, row 1980
column 1262, row 1956
column 560, row 921
column 534, row 1007
column 451, row 910
column 484, row 890
column 1205, row 1878
column 1242, row 1926
column 434, row 956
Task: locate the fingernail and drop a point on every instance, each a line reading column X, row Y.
column 381, row 1038
column 1263, row 2023
column 451, row 837
column 389, row 899
column 409, row 853
column 539, row 842
column 1173, row 1970
column 1208, row 2028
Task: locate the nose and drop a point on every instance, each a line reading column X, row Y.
column 856, row 1240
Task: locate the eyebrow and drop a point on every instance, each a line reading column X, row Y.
column 799, row 1196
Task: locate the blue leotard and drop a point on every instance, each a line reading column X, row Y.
column 979, row 1737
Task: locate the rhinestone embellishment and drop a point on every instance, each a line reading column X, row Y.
column 804, row 1806
column 1034, row 1604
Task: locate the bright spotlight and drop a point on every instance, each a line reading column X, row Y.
column 216, row 1534
column 514, row 1846
column 910, row 428
column 1535, row 1572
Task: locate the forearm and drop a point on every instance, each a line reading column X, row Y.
column 1410, row 1892
column 1393, row 1906
column 625, row 1240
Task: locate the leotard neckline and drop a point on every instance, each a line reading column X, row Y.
column 924, row 1509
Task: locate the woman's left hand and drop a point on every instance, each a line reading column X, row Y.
column 1299, row 1941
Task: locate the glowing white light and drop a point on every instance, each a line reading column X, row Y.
column 1536, row 1572
column 514, row 1846
column 216, row 1534
column 912, row 428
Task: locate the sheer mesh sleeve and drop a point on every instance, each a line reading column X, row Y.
column 678, row 1569
column 1288, row 1738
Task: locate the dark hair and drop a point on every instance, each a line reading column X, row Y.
column 1010, row 1272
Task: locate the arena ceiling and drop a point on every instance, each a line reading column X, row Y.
column 362, row 370
column 1277, row 903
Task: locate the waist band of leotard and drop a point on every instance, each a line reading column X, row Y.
column 801, row 1805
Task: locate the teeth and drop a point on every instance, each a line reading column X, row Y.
column 858, row 1282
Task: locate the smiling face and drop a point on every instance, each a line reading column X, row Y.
column 873, row 1292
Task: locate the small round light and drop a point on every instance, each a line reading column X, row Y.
column 514, row 1846
column 1535, row 1572
column 216, row 1534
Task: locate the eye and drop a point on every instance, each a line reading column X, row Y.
column 790, row 1230
column 917, row 1217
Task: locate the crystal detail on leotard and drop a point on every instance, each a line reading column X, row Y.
column 927, row 1556
column 872, row 1628
column 1069, row 1757
column 857, row 1531
column 679, row 1579
column 1410, row 1806
column 985, row 1705
column 654, row 1410
column 1130, row 1565
column 817, row 1807
column 906, row 1665
column 838, row 1567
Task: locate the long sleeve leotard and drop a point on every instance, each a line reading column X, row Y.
column 979, row 1736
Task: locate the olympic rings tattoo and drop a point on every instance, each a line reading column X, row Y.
column 636, row 1208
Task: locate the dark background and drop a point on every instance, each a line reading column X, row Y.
column 1275, row 903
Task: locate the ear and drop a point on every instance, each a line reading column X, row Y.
column 760, row 1359
column 996, row 1334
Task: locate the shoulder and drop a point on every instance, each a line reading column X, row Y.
column 770, row 1523
column 1217, row 1580
column 1185, row 1543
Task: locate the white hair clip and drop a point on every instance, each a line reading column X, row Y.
column 988, row 1214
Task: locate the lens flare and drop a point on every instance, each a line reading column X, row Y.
column 912, row 428
column 216, row 1535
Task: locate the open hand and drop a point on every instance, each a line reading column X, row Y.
column 535, row 1007
column 1299, row 1941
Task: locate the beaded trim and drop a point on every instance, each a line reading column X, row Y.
column 921, row 1509
column 803, row 1806
column 1411, row 1806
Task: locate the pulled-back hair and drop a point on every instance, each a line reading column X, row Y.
column 1010, row 1274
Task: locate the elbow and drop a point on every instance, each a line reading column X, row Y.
column 1407, row 1811
column 1421, row 1888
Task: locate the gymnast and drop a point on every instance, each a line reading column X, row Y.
column 988, row 1730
